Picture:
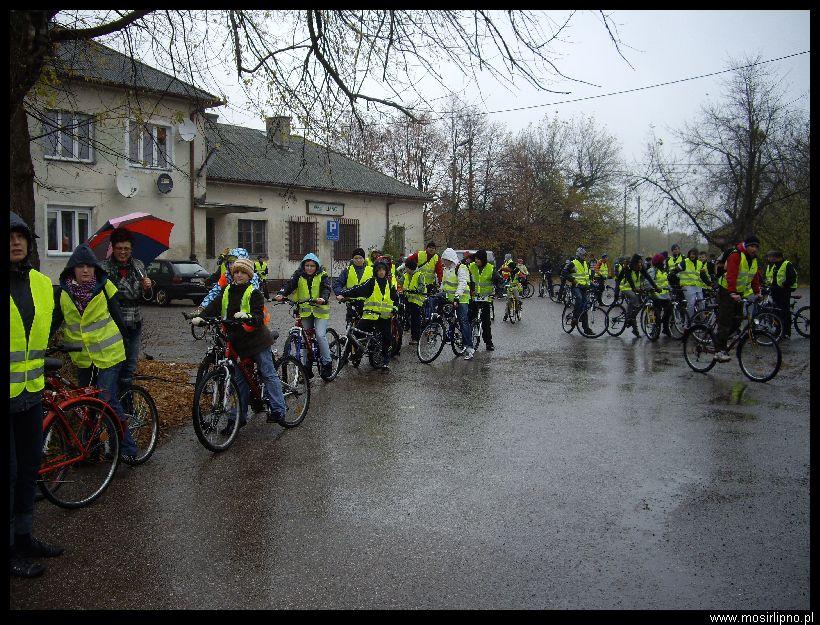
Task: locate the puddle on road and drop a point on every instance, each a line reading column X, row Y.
column 738, row 395
column 729, row 415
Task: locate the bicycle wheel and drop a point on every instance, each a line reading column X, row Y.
column 217, row 404
column 769, row 322
column 198, row 332
column 706, row 318
column 759, row 356
column 607, row 296
column 476, row 329
column 801, row 321
column 78, row 465
column 596, row 321
column 650, row 324
column 566, row 319
column 555, row 293
column 335, row 346
column 296, row 390
column 457, row 342
column 375, row 355
column 616, row 320
column 542, row 288
column 677, row 322
column 508, row 316
column 207, row 365
column 143, row 421
column 517, row 311
column 398, row 338
column 527, row 291
column 699, row 348
column 431, row 341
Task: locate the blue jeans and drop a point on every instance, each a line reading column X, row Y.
column 273, row 387
column 131, row 337
column 463, row 314
column 579, row 293
column 108, row 383
column 320, row 338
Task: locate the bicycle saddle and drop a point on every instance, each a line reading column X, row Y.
column 53, row 364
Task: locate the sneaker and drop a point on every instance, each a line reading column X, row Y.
column 469, row 353
column 275, row 417
column 21, row 567
column 129, row 459
column 722, row 356
column 326, row 371
column 37, row 549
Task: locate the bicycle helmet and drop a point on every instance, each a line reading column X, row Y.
column 580, row 252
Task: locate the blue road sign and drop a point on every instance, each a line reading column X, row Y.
column 332, row 230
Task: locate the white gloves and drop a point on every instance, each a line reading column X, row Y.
column 241, row 315
column 197, row 321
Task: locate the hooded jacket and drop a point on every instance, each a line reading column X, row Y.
column 224, row 280
column 84, row 255
column 246, row 344
column 459, row 270
column 20, row 292
column 324, row 286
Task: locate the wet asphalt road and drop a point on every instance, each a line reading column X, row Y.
column 555, row 472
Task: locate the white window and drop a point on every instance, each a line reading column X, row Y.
column 149, row 145
column 66, row 228
column 69, row 136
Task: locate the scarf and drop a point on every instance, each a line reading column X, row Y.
column 82, row 293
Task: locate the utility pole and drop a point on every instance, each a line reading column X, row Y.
column 668, row 239
column 639, row 226
column 623, row 249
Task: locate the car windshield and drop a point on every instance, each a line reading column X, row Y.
column 188, row 269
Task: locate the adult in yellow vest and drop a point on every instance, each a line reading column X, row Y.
column 240, row 300
column 783, row 283
column 414, row 292
column 380, row 298
column 260, row 268
column 675, row 258
column 692, row 274
column 310, row 285
column 31, row 300
column 455, row 284
column 89, row 314
column 576, row 272
column 484, row 279
column 428, row 263
column 356, row 273
column 741, row 278
column 631, row 279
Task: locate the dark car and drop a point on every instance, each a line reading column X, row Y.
column 178, row 279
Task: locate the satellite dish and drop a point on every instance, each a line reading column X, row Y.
column 127, row 184
column 165, row 183
column 187, row 130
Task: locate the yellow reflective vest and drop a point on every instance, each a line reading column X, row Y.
column 482, row 278
column 412, row 284
column 690, row 276
column 581, row 274
column 745, row 275
column 320, row 311
column 354, row 280
column 450, row 286
column 427, row 267
column 94, row 330
column 379, row 304
column 27, row 357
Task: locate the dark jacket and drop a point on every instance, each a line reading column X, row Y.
column 20, row 292
column 290, row 286
column 791, row 277
column 245, row 343
column 83, row 254
column 365, row 289
column 340, row 284
column 129, row 287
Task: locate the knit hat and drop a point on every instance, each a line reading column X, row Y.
column 245, row 265
column 358, row 252
column 481, row 255
column 751, row 240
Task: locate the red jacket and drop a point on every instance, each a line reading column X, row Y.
column 732, row 266
column 439, row 267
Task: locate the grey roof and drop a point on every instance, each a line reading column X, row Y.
column 246, row 155
column 95, row 62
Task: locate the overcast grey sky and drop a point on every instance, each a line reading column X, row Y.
column 662, row 46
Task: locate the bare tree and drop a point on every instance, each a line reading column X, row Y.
column 737, row 157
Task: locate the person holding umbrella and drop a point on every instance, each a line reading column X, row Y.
column 128, row 275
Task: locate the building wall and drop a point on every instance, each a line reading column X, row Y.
column 281, row 205
column 93, row 185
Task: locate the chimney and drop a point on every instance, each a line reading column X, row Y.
column 278, row 129
column 211, row 117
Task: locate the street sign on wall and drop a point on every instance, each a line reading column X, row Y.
column 332, row 230
column 325, row 208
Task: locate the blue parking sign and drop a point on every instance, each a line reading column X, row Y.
column 332, row 230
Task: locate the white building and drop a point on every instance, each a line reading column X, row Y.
column 111, row 119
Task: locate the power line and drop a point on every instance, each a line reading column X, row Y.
column 605, row 95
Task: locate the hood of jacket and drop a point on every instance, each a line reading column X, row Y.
column 315, row 259
column 83, row 255
column 239, row 252
column 16, row 223
column 450, row 254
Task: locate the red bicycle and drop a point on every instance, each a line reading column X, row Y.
column 81, row 440
column 301, row 344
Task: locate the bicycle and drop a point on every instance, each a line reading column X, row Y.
column 527, row 289
column 218, row 404
column 512, row 312
column 597, row 317
column 757, row 351
column 81, row 440
column 557, row 293
column 362, row 342
column 302, row 344
column 678, row 317
column 650, row 316
column 443, row 327
column 543, row 284
column 604, row 292
column 799, row 318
